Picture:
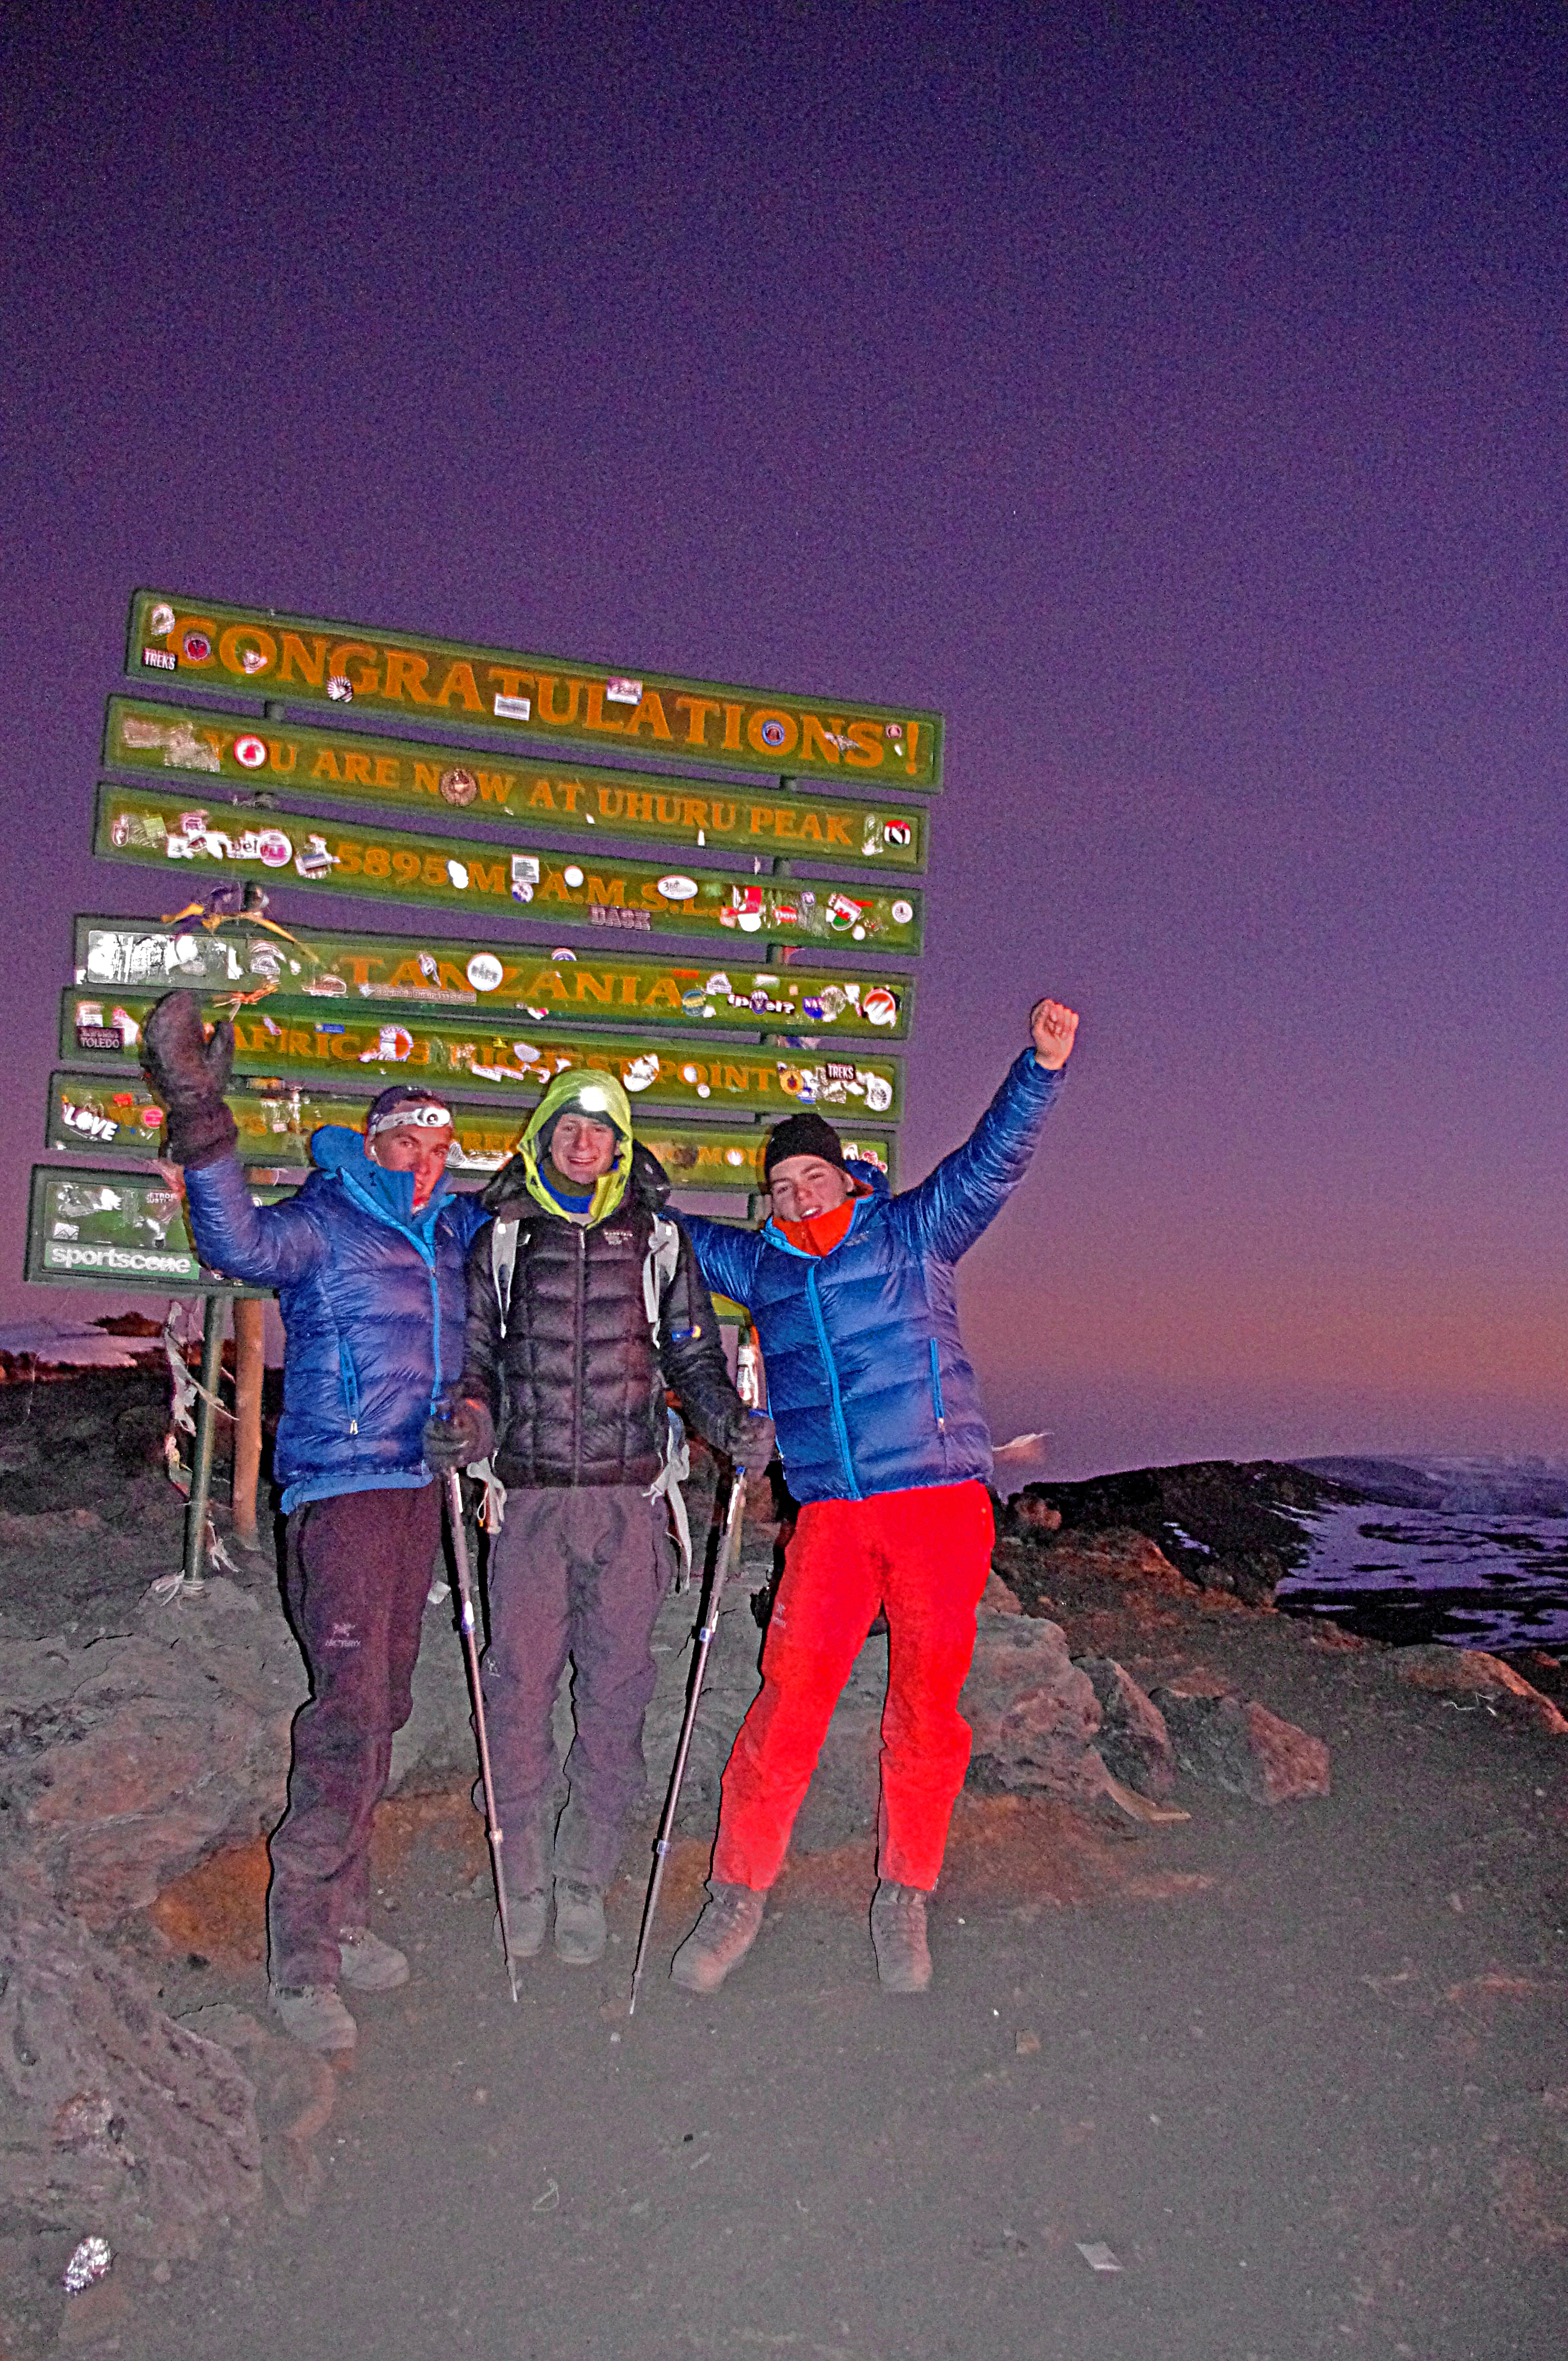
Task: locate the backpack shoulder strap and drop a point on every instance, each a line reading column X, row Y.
column 507, row 1239
column 658, row 1270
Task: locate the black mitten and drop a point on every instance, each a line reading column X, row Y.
column 460, row 1433
column 189, row 1075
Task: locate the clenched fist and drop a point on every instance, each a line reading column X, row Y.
column 1053, row 1027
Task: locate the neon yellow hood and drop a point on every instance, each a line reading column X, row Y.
column 591, row 1093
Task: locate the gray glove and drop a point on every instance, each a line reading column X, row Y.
column 756, row 1445
column 460, row 1432
column 190, row 1074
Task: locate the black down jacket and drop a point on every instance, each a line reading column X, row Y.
column 575, row 1383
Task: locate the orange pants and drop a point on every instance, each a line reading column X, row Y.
column 923, row 1557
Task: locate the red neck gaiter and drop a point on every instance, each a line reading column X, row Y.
column 820, row 1233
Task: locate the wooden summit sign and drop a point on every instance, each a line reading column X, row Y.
column 117, row 1114
column 307, row 661
column 438, row 971
column 116, row 1230
column 283, row 1036
column 192, row 839
column 398, row 773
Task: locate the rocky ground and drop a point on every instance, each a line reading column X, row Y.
column 1251, row 1961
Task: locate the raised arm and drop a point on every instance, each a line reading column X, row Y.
column 266, row 1246
column 957, row 1203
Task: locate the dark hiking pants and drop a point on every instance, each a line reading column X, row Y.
column 579, row 1573
column 357, row 1576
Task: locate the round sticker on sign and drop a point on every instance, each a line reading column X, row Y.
column 879, row 1006
column 250, row 752
column 485, row 970
column 275, row 848
column 459, row 786
column 901, row 912
column 574, row 877
column 459, row 872
column 677, row 889
column 196, row 647
column 774, row 733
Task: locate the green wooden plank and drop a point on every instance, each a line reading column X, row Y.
column 116, row 1114
column 291, row 759
column 204, row 844
column 294, row 1037
column 305, row 660
column 115, row 1230
column 438, row 971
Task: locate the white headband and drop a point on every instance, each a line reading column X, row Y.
column 421, row 1112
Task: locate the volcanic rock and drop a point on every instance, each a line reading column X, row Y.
column 124, row 1761
column 1235, row 1743
column 1034, row 1713
column 116, row 2121
column 1472, row 1673
column 1224, row 1524
column 1133, row 1741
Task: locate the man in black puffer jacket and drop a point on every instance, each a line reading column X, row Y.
column 585, row 1301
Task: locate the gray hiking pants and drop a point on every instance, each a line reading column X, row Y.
column 577, row 1572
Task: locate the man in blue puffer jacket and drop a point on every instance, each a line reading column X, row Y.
column 885, row 1447
column 367, row 1259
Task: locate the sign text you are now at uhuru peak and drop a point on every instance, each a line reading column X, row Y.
column 488, row 877
column 293, row 758
column 306, row 660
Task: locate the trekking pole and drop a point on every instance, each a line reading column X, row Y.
column 471, row 1652
column 705, row 1629
column 746, row 1385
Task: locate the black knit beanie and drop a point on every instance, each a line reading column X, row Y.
column 805, row 1134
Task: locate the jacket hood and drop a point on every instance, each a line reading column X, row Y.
column 873, row 1179
column 591, row 1091
column 341, row 1153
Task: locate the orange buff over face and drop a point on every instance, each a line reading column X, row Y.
column 820, row 1233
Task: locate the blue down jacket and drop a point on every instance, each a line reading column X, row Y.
column 868, row 1381
column 373, row 1301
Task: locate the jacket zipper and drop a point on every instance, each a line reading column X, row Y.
column 348, row 1378
column 840, row 1429
column 937, row 1390
column 581, row 1357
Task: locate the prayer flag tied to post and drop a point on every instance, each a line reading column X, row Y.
column 522, row 980
column 292, row 1036
column 393, row 773
column 116, row 1114
column 198, row 841
column 179, row 641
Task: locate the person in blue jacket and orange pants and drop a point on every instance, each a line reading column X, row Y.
column 886, row 1450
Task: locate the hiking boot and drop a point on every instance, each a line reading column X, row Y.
column 314, row 2016
column 367, row 1964
column 528, row 1914
column 579, row 1925
column 720, row 1939
column 898, row 1937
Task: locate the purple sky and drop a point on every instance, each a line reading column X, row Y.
column 1174, row 396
